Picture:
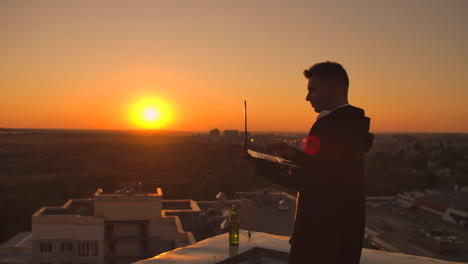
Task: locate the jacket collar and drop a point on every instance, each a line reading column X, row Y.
column 326, row 112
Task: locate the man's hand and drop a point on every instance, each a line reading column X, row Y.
column 281, row 149
column 244, row 154
column 243, row 149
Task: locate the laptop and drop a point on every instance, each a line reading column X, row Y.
column 266, row 159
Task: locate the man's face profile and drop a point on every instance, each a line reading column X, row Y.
column 319, row 93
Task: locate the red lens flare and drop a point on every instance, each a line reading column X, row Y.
column 311, row 144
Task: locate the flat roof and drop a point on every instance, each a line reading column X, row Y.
column 205, row 205
column 21, row 239
column 176, row 205
column 200, row 227
column 217, row 248
column 450, row 198
column 72, row 207
column 264, row 247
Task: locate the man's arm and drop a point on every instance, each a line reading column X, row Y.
column 318, row 167
column 277, row 176
column 273, row 173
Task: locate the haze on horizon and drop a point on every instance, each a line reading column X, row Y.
column 83, row 64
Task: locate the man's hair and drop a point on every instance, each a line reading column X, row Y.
column 329, row 70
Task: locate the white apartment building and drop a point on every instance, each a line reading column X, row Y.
column 111, row 228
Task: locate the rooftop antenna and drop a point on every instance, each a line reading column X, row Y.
column 249, row 228
column 245, row 123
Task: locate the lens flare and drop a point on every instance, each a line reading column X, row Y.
column 311, row 144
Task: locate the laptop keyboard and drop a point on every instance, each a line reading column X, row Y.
column 259, row 155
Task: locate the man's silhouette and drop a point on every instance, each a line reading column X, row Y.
column 330, row 214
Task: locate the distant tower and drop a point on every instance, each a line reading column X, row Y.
column 214, row 135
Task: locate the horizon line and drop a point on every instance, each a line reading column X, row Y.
column 207, row 131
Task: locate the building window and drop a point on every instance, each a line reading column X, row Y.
column 112, row 245
column 143, row 245
column 46, row 247
column 142, row 229
column 168, row 245
column 66, row 246
column 109, row 230
column 88, row 249
column 172, row 244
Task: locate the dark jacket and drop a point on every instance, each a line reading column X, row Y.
column 330, row 214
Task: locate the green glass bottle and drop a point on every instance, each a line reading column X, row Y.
column 234, row 227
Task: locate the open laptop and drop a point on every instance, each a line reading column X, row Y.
column 256, row 156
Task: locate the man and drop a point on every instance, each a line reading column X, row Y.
column 330, row 214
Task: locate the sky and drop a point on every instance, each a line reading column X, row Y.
column 86, row 64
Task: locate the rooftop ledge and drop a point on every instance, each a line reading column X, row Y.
column 265, row 248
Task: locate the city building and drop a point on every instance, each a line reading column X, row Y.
column 214, row 136
column 451, row 204
column 439, row 241
column 17, row 249
column 232, row 137
column 120, row 227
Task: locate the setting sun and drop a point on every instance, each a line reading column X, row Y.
column 150, row 113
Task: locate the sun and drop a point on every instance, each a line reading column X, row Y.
column 150, row 113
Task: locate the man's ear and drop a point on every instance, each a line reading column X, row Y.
column 332, row 85
column 337, row 87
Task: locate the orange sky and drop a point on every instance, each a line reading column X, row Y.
column 82, row 64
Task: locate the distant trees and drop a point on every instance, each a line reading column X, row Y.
column 389, row 175
column 449, row 158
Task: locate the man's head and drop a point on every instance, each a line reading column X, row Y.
column 328, row 86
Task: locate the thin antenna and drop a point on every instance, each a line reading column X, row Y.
column 245, row 122
column 250, row 213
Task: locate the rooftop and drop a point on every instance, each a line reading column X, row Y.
column 17, row 249
column 176, row 205
column 127, row 194
column 20, row 240
column 449, row 198
column 264, row 248
column 83, row 207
